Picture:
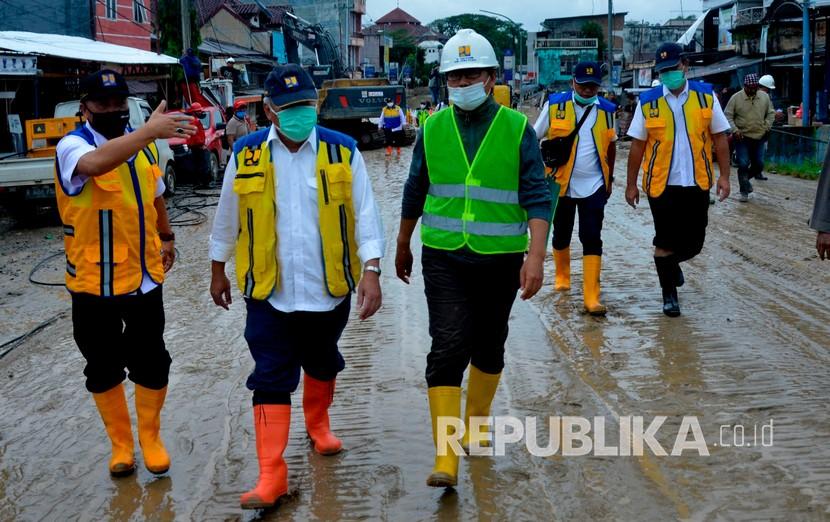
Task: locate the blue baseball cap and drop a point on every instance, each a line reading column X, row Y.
column 588, row 72
column 668, row 55
column 289, row 84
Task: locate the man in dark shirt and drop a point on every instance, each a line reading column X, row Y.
column 820, row 221
column 477, row 183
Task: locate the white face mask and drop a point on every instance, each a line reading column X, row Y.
column 468, row 98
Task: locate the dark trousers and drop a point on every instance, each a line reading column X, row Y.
column 118, row 333
column 591, row 214
column 436, row 94
column 393, row 138
column 681, row 215
column 750, row 156
column 469, row 298
column 281, row 343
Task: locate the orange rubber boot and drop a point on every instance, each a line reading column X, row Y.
column 148, row 404
column 112, row 405
column 317, row 397
column 562, row 260
column 388, row 151
column 399, row 151
column 271, row 423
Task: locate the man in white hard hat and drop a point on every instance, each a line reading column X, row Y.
column 766, row 83
column 477, row 183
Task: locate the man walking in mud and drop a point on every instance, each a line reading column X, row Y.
column 297, row 211
column 119, row 245
column 673, row 129
column 477, row 183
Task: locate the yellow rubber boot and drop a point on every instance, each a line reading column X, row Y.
column 591, row 267
column 562, row 260
column 148, row 404
column 444, row 401
column 112, row 405
column 481, row 388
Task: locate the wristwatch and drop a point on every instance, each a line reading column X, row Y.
column 167, row 237
column 372, row 268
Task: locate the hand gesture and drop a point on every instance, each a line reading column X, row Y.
column 163, row 126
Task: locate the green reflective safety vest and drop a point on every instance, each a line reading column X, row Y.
column 474, row 205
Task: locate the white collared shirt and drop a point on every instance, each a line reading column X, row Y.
column 69, row 151
column 302, row 279
column 682, row 163
column 586, row 177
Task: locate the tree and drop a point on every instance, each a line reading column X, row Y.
column 170, row 27
column 500, row 33
column 594, row 30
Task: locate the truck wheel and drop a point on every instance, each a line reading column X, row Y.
column 366, row 139
column 170, row 180
column 213, row 167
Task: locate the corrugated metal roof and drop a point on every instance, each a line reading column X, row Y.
column 77, row 48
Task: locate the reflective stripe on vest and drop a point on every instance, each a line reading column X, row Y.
column 474, row 205
column 562, row 115
column 257, row 263
column 660, row 125
column 109, row 227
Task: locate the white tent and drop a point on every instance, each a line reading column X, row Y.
column 77, row 48
column 690, row 33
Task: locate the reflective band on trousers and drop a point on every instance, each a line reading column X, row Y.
column 480, row 193
column 474, row 227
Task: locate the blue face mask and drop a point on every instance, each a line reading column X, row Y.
column 241, row 115
column 296, row 123
column 585, row 101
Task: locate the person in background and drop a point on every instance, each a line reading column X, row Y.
column 750, row 115
column 673, row 131
column 767, row 84
column 237, row 126
column 229, row 71
column 392, row 122
column 820, row 221
column 435, row 85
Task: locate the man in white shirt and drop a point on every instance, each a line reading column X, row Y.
column 674, row 128
column 297, row 211
column 586, row 179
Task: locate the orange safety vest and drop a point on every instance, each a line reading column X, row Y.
column 109, row 227
column 660, row 124
column 563, row 122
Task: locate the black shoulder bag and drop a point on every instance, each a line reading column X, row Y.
column 557, row 151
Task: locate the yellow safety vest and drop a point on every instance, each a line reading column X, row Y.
column 563, row 122
column 110, row 232
column 660, row 125
column 257, row 262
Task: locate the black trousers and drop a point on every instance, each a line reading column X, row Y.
column 118, row 333
column 393, row 138
column 591, row 215
column 281, row 343
column 469, row 298
column 681, row 215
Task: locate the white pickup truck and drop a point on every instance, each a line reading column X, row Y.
column 25, row 181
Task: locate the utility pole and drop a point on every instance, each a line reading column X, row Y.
column 518, row 31
column 185, row 9
column 611, row 43
column 805, row 64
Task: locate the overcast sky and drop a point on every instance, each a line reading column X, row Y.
column 530, row 13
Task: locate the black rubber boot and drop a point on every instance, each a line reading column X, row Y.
column 669, row 273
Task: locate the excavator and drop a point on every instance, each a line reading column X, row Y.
column 345, row 104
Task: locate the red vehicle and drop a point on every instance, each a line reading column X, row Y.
column 201, row 155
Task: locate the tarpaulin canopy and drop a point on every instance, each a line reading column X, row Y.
column 689, row 35
column 77, row 48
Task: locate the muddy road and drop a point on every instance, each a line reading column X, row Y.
column 753, row 346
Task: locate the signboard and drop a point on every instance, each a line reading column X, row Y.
column 726, row 16
column 15, row 126
column 18, row 65
column 616, row 74
column 644, row 78
column 393, row 72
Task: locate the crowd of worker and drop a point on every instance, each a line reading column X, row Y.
column 298, row 214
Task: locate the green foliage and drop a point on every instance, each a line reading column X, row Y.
column 594, row 30
column 170, row 27
column 808, row 169
column 500, row 33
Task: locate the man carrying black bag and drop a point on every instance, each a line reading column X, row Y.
column 579, row 152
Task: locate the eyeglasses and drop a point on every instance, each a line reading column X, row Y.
column 467, row 74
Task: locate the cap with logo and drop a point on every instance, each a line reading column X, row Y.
column 668, row 55
column 588, row 72
column 103, row 84
column 289, row 84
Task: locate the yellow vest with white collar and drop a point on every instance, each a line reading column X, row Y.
column 257, row 262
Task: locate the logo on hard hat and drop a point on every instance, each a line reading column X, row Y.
column 464, row 51
column 291, row 82
column 108, row 80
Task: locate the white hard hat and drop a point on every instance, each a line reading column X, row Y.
column 468, row 50
column 655, row 82
column 767, row 81
column 230, row 60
